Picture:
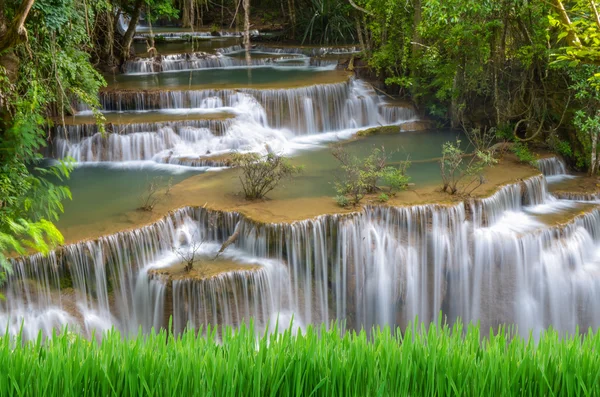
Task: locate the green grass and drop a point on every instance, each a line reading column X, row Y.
column 439, row 361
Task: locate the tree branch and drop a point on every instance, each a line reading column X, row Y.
column 353, row 4
column 572, row 38
column 16, row 33
column 595, row 11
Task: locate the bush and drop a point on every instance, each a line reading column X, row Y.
column 342, row 201
column 396, row 179
column 383, row 198
column 460, row 176
column 261, row 174
column 521, row 150
column 153, row 195
column 360, row 176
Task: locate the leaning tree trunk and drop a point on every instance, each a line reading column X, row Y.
column 128, row 37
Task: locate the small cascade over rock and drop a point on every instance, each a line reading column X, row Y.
column 497, row 263
column 188, row 61
column 577, row 196
column 552, row 166
column 512, row 197
column 307, row 51
column 190, row 34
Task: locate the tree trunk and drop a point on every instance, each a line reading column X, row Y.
column 247, row 31
column 416, row 37
column 128, row 37
column 361, row 39
column 594, row 158
column 292, row 14
column 15, row 33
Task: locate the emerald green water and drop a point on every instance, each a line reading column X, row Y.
column 104, row 193
column 101, row 193
column 321, row 169
column 222, row 78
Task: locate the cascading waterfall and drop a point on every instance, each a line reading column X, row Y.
column 552, row 166
column 127, row 142
column 382, row 265
column 336, row 106
column 190, row 34
column 273, row 116
column 307, row 51
column 187, row 61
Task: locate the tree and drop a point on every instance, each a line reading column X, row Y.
column 460, row 176
column 580, row 57
column 189, row 254
column 360, row 176
column 43, row 69
column 262, row 174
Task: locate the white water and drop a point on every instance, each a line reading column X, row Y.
column 380, row 266
column 285, row 119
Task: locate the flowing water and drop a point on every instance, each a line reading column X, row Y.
column 521, row 256
column 493, row 260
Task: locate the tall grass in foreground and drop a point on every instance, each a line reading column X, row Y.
column 437, row 361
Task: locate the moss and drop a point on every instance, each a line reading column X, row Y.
column 388, row 129
column 65, row 282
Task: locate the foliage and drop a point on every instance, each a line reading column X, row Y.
column 418, row 361
column 460, row 176
column 521, row 150
column 396, row 179
column 327, row 22
column 587, row 118
column 383, row 198
column 579, row 34
column 49, row 72
column 342, row 200
column 481, row 138
column 361, row 176
column 262, row 174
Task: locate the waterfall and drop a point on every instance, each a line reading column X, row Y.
column 187, row 61
column 512, row 197
column 498, row 263
column 552, row 166
column 307, row 51
column 191, row 34
column 578, row 196
column 273, row 116
column 336, row 106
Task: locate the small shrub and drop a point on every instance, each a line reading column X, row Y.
column 396, row 179
column 342, row 200
column 521, row 150
column 261, row 174
column 152, row 196
column 383, row 198
column 361, row 176
column 460, row 176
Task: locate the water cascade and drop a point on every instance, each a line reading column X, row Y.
column 493, row 260
column 552, row 166
column 188, row 61
column 273, row 116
